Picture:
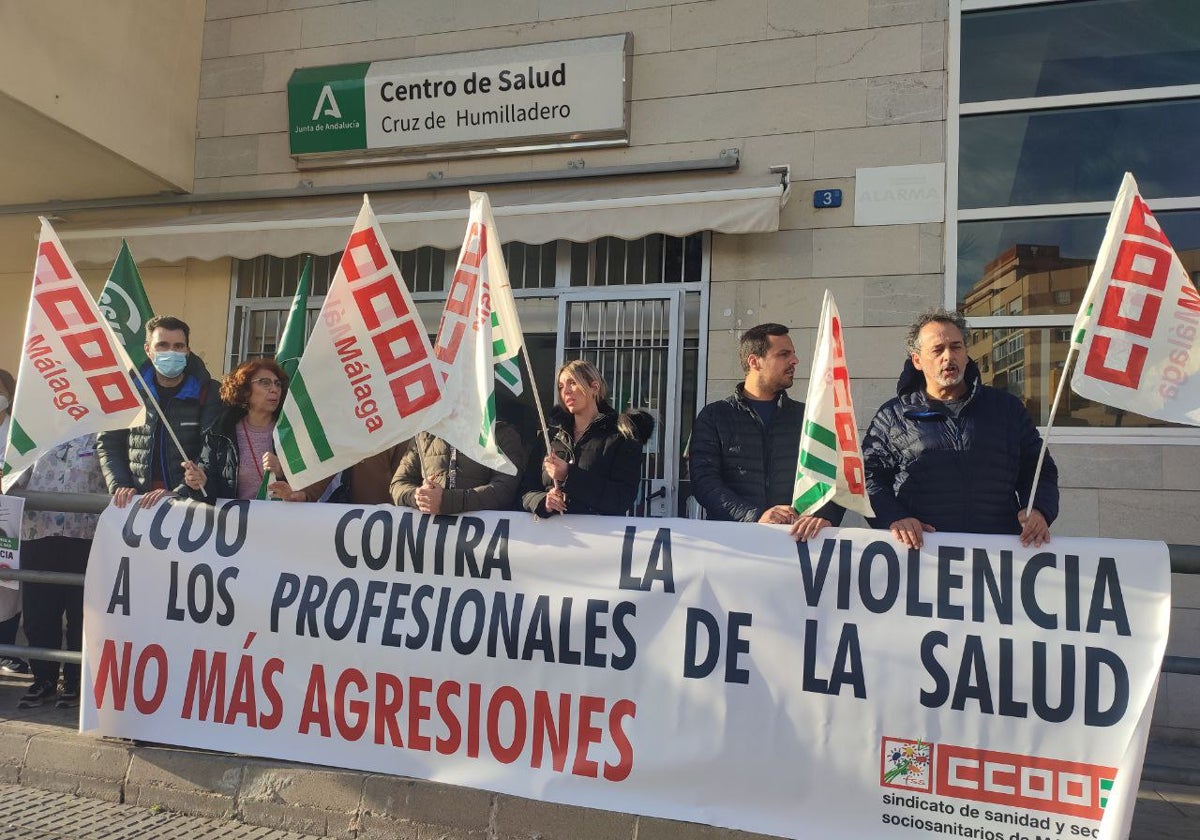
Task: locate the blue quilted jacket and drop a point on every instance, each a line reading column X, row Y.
column 969, row 473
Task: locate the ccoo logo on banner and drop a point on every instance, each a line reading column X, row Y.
column 1028, row 782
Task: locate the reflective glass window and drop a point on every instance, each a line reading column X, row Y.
column 1079, row 154
column 1079, row 47
column 1028, row 363
column 1043, row 265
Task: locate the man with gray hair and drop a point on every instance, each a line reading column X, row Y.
column 949, row 453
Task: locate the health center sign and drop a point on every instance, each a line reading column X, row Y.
column 566, row 92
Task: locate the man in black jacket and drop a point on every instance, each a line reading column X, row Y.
column 949, row 453
column 145, row 459
column 743, row 451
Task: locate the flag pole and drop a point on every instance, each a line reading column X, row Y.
column 154, row 402
column 1037, row 472
column 1078, row 326
column 537, row 399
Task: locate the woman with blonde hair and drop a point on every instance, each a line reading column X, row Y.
column 594, row 465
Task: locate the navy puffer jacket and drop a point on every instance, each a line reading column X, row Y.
column 738, row 467
column 126, row 454
column 970, row 473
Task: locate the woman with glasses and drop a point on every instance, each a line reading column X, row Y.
column 237, row 456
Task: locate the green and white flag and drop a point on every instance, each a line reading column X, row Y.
column 124, row 304
column 291, row 347
column 830, row 467
column 74, row 374
column 367, row 380
column 291, row 342
column 507, row 338
column 477, row 342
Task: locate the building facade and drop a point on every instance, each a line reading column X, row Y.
column 976, row 145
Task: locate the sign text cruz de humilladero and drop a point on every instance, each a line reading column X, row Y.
column 541, row 94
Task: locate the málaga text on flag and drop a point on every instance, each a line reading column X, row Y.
column 74, row 375
column 124, row 305
column 1136, row 330
column 830, row 467
column 367, row 379
column 478, row 334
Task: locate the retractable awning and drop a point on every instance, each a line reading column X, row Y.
column 580, row 211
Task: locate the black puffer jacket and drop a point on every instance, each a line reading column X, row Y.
column 219, row 458
column 125, row 454
column 605, row 466
column 738, row 467
column 968, row 474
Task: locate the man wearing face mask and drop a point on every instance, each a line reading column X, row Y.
column 949, row 453
column 145, row 459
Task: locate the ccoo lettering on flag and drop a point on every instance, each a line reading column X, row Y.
column 367, row 380
column 477, row 342
column 74, row 374
column 830, row 466
column 1137, row 327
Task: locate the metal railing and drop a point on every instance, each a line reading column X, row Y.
column 1185, row 560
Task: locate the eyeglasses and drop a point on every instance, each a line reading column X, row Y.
column 267, row 383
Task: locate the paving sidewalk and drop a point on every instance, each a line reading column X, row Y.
column 155, row 791
column 32, row 814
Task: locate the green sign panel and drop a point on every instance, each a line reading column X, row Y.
column 327, row 110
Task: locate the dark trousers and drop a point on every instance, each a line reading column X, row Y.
column 8, row 630
column 46, row 605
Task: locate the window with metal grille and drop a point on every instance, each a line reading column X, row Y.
column 263, row 287
column 653, row 259
column 531, row 266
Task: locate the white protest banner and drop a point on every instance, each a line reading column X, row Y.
column 713, row 672
column 1139, row 320
column 367, row 379
column 12, row 508
column 74, row 375
column 479, row 331
column 830, row 466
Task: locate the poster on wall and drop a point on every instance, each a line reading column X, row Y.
column 847, row 687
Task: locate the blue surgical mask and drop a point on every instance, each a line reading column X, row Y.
column 3, row 403
column 170, row 363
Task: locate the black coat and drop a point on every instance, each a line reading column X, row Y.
column 125, row 454
column 605, row 466
column 738, row 467
column 970, row 473
column 219, row 457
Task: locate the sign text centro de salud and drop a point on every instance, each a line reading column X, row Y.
column 543, row 94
